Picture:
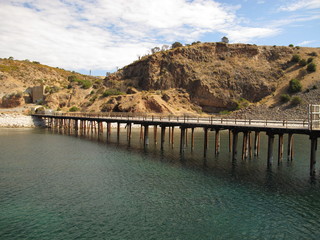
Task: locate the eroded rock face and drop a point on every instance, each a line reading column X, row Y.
column 12, row 100
column 214, row 74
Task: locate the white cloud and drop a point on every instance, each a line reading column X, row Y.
column 305, row 43
column 103, row 34
column 301, row 4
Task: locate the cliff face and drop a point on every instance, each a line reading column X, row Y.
column 216, row 75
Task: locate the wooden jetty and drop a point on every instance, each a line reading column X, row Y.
column 85, row 123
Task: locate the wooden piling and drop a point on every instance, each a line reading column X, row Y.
column 182, row 139
column 234, row 145
column 118, row 131
column 313, row 155
column 141, row 132
column 192, row 139
column 172, row 137
column 155, row 133
column 280, row 148
column 256, row 143
column 205, row 144
column 230, row 141
column 108, row 130
column 146, row 135
column 244, row 145
column 163, row 133
column 290, row 147
column 270, row 148
column 217, row 142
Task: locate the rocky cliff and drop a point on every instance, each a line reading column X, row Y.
column 216, row 75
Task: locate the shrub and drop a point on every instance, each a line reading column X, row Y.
column 74, row 109
column 296, row 101
column 295, row 86
column 176, row 44
column 310, row 59
column 314, row 87
column 314, row 54
column 303, row 62
column 111, row 92
column 72, row 78
column 291, row 45
column 85, row 84
column 311, row 67
column 295, row 58
column 285, row 98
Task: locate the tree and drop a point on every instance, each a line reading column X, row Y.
column 311, row 67
column 295, row 58
column 176, row 45
column 155, row 49
column 165, row 47
column 295, row 86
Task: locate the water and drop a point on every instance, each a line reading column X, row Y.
column 54, row 186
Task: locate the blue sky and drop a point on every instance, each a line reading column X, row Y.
column 103, row 35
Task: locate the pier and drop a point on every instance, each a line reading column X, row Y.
column 84, row 123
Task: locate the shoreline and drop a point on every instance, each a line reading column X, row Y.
column 18, row 120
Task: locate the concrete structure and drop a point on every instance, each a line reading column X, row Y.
column 37, row 94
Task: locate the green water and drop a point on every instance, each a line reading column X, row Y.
column 54, row 186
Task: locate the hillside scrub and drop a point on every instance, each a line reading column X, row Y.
column 311, row 67
column 112, row 92
column 294, row 86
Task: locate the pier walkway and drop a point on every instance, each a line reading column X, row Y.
column 85, row 123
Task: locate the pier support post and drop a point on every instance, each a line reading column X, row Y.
column 76, row 127
column 270, row 148
column 118, row 131
column 155, row 133
column 163, row 134
column 245, row 146
column 129, row 130
column 256, row 143
column 290, row 147
column 217, row 142
column 141, row 132
column 146, row 135
column 234, row 145
column 192, row 139
column 172, row 136
column 230, row 141
column 99, row 130
column 182, row 139
column 314, row 143
column 108, row 131
column 280, row 148
column 205, row 144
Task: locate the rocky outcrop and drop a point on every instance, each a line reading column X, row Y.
column 215, row 75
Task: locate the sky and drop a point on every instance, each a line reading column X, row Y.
column 100, row 36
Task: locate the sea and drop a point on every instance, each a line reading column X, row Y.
column 59, row 186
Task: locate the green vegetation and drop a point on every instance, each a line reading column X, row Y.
column 6, row 68
column 51, row 90
column 314, row 54
column 291, row 45
column 85, row 84
column 303, row 62
column 312, row 67
column 74, row 109
column 111, row 92
column 295, row 86
column 224, row 112
column 296, row 101
column 241, row 103
column 285, row 98
column 176, row 45
column 310, row 59
column 295, row 58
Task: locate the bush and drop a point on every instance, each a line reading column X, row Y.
column 85, row 84
column 314, row 54
column 176, row 44
column 72, row 78
column 295, row 58
column 291, row 45
column 74, row 109
column 296, row 101
column 285, row 98
column 310, row 59
column 295, row 86
column 303, row 62
column 111, row 92
column 311, row 67
column 314, row 87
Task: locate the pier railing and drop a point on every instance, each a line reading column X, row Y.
column 286, row 123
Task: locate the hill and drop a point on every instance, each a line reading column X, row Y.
column 201, row 78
